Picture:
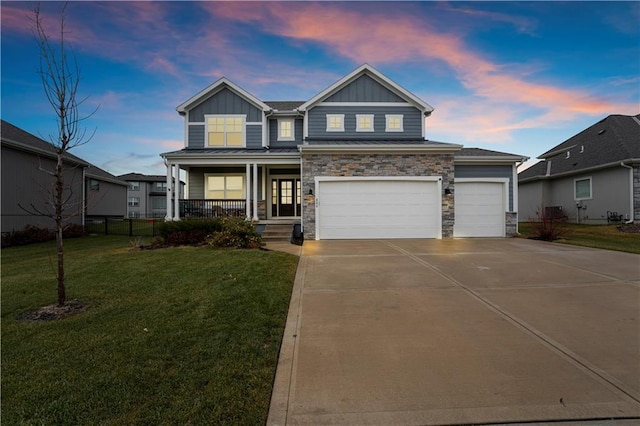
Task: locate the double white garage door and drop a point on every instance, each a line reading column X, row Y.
column 374, row 208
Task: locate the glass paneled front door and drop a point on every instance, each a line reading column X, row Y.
column 285, row 197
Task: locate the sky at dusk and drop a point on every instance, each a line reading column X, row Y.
column 518, row 77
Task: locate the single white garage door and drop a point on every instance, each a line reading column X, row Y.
column 479, row 209
column 378, row 208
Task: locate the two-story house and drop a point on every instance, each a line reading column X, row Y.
column 147, row 195
column 352, row 162
column 27, row 184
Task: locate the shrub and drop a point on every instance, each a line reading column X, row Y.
column 235, row 233
column 74, row 230
column 188, row 231
column 29, row 235
column 549, row 227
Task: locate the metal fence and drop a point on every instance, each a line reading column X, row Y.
column 130, row 227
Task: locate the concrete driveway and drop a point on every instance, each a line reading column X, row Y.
column 460, row 332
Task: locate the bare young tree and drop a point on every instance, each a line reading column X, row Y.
column 60, row 79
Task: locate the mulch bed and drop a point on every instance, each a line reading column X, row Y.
column 629, row 227
column 54, row 312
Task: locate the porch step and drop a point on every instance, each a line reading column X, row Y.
column 273, row 232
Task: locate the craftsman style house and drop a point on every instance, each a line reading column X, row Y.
column 352, row 162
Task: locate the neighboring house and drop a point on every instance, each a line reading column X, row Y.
column 351, row 162
column 592, row 177
column 147, row 195
column 27, row 188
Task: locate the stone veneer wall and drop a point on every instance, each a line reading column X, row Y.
column 511, row 224
column 376, row 165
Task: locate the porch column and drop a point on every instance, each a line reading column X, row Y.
column 255, row 191
column 169, row 216
column 176, row 192
column 248, row 193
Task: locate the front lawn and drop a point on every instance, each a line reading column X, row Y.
column 172, row 336
column 598, row 236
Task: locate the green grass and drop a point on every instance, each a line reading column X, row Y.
column 214, row 321
column 598, row 236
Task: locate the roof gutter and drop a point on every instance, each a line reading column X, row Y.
column 585, row 170
column 631, row 212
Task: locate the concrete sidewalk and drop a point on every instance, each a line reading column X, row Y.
column 459, row 332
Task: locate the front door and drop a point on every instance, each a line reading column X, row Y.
column 285, row 197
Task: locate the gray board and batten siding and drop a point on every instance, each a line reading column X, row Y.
column 273, row 134
column 225, row 102
column 486, row 171
column 412, row 122
column 364, row 89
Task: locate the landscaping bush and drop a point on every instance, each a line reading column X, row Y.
column 549, row 228
column 235, row 233
column 29, row 235
column 74, row 230
column 188, row 231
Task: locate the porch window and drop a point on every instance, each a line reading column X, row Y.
column 225, row 187
column 335, row 122
column 225, row 130
column 364, row 122
column 394, row 123
column 286, row 130
column 582, row 189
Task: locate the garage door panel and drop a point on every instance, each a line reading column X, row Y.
column 362, row 209
column 479, row 209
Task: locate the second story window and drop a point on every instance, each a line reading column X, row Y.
column 134, row 186
column 161, row 186
column 225, row 130
column 394, row 123
column 286, row 129
column 364, row 122
column 94, row 185
column 134, row 201
column 335, row 122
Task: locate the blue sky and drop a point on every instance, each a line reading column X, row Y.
column 518, row 77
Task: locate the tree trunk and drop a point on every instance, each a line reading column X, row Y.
column 62, row 296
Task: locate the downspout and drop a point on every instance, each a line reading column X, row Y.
column 631, row 211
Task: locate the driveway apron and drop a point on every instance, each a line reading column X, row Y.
column 459, row 331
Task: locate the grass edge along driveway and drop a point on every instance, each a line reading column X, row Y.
column 605, row 237
column 172, row 336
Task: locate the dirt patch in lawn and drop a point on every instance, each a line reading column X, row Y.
column 54, row 312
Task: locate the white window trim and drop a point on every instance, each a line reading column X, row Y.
column 329, row 117
column 575, row 182
column 244, row 184
column 387, row 117
column 244, row 130
column 364, row 129
column 293, row 129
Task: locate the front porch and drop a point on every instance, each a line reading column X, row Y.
column 257, row 190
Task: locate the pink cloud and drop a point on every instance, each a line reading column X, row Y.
column 379, row 34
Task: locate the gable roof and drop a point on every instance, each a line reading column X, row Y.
column 610, row 141
column 216, row 87
column 17, row 138
column 376, row 75
column 100, row 174
column 139, row 177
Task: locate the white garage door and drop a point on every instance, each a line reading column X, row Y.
column 479, row 209
column 378, row 208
